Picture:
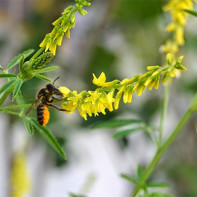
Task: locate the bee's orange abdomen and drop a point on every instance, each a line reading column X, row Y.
column 43, row 114
column 46, row 116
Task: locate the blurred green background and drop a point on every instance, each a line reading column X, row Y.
column 120, row 38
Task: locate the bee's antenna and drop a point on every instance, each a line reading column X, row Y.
column 56, row 80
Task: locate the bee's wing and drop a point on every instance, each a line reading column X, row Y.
column 30, row 109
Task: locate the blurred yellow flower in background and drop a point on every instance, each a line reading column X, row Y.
column 20, row 178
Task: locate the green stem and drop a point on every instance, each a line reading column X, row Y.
column 163, row 112
column 166, row 144
column 37, row 53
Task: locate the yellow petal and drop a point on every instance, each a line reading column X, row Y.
column 64, row 90
column 117, row 101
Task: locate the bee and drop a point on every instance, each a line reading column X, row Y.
column 44, row 99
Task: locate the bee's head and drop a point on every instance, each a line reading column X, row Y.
column 53, row 90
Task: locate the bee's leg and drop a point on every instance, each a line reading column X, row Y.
column 60, row 109
column 30, row 109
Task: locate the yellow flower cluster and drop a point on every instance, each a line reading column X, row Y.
column 63, row 25
column 179, row 19
column 20, row 179
column 108, row 94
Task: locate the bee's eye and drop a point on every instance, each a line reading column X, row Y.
column 53, row 89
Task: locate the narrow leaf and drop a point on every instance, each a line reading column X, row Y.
column 17, row 87
column 28, row 125
column 5, row 95
column 158, row 194
column 43, row 77
column 116, row 123
column 76, row 195
column 13, row 107
column 7, row 85
column 192, row 12
column 49, row 137
column 7, row 75
column 16, row 60
column 129, row 178
column 19, row 99
column 1, row 68
column 47, row 69
column 123, row 133
column 140, row 172
column 157, row 185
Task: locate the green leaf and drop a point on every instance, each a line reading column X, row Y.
column 115, row 123
column 28, row 125
column 1, row 68
column 140, row 172
column 17, row 88
column 129, row 178
column 123, row 133
column 5, row 95
column 13, row 107
column 16, row 60
column 49, row 137
column 43, row 78
column 19, row 99
column 75, row 195
column 157, row 185
column 157, row 194
column 7, row 85
column 192, row 12
column 47, row 69
column 7, row 75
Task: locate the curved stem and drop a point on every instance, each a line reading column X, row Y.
column 165, row 145
column 37, row 53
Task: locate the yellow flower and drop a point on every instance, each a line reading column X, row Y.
column 128, row 94
column 179, row 35
column 71, row 103
column 125, row 95
column 110, row 100
column 59, row 39
column 117, row 100
column 68, row 106
column 64, row 91
column 170, row 47
column 75, row 98
column 20, row 178
column 52, row 48
column 171, row 27
column 82, row 112
column 179, row 18
column 86, row 107
column 107, row 101
column 93, row 97
column 152, row 68
column 95, row 102
column 101, row 81
column 156, row 85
